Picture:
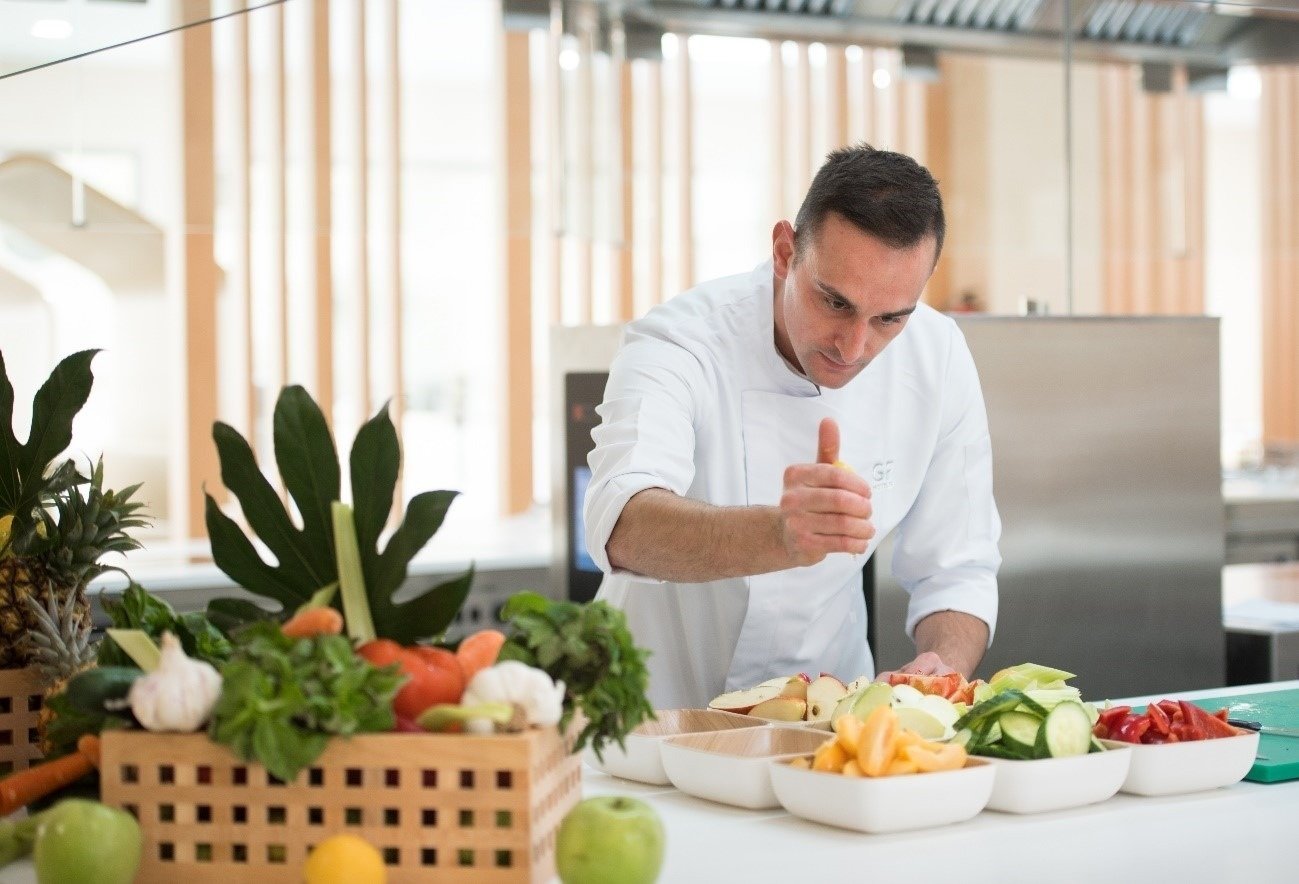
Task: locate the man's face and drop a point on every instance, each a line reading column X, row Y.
column 841, row 301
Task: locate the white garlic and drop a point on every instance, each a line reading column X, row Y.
column 179, row 695
column 532, row 689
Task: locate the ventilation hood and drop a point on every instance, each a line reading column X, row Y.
column 1205, row 35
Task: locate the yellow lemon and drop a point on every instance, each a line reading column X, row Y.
column 843, row 466
column 344, row 859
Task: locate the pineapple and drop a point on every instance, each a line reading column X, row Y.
column 59, row 647
column 52, row 532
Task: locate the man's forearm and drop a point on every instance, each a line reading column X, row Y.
column 959, row 639
column 667, row 537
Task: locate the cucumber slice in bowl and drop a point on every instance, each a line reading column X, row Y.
column 1021, row 729
column 1067, row 731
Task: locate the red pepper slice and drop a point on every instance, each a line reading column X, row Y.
column 1159, row 722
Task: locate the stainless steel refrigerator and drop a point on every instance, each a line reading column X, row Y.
column 1107, row 476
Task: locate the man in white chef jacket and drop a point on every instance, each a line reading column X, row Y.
column 725, row 529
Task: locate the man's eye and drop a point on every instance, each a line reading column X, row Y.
column 836, row 304
column 891, row 320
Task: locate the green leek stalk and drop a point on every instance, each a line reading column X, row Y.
column 351, row 581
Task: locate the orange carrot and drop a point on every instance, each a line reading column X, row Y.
column 312, row 622
column 479, row 651
column 22, row 788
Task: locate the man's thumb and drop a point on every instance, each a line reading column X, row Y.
column 827, row 443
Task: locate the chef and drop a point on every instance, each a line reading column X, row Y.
column 761, row 433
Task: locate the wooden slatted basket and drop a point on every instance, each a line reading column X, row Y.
column 21, row 693
column 439, row 807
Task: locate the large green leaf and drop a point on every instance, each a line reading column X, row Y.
column 236, row 556
column 22, row 466
column 428, row 614
column 375, row 462
column 308, row 462
column 304, row 554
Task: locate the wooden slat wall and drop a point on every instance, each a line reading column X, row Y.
column 517, row 343
column 396, row 295
column 198, row 190
column 1152, row 197
column 1279, row 136
column 624, row 248
column 360, row 76
column 243, row 169
column 685, row 168
column 279, row 171
column 322, row 204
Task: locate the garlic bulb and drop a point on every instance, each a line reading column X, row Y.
column 179, row 695
column 541, row 699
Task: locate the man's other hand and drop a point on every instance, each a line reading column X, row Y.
column 927, row 663
column 824, row 508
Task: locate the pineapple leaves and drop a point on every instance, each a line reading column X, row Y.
column 23, row 465
column 306, row 558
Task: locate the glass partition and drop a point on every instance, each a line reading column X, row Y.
column 37, row 33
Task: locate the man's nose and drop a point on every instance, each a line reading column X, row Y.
column 854, row 342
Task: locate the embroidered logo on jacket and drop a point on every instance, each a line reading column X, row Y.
column 882, row 474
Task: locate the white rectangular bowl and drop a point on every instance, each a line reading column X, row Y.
column 1057, row 783
column 642, row 762
column 884, row 804
column 734, row 767
column 1177, row 768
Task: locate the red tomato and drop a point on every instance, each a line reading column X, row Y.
column 434, row 675
column 942, row 685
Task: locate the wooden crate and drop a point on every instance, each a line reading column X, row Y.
column 21, row 692
column 439, row 807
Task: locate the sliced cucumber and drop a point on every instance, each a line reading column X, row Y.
column 1020, row 728
column 963, row 737
column 990, row 709
column 1032, row 707
column 1067, row 731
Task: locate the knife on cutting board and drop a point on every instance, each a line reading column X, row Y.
column 1263, row 728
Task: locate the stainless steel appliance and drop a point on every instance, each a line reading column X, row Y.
column 1108, row 479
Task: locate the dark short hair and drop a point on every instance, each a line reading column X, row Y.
column 884, row 194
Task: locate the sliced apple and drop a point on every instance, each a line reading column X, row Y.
column 859, row 683
column 822, row 697
column 921, row 722
column 844, row 706
column 778, row 681
column 743, row 701
column 796, row 688
column 875, row 695
column 780, row 709
column 906, row 695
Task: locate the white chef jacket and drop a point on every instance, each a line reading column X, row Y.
column 701, row 403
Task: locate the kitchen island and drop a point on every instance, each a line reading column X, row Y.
column 1245, row 833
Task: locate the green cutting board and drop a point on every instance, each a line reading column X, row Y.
column 1278, row 757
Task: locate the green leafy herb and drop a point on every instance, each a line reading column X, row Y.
column 139, row 609
column 282, row 698
column 590, row 648
column 68, row 723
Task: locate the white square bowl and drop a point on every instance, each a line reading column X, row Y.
column 1049, row 784
column 884, row 804
column 1193, row 766
column 641, row 760
column 734, row 767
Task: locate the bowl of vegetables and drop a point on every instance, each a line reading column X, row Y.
column 1177, row 747
column 1039, row 737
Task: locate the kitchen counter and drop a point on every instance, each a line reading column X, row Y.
column 1242, row 833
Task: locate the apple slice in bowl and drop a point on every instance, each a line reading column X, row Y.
column 641, row 760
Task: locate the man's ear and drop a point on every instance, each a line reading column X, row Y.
column 782, row 248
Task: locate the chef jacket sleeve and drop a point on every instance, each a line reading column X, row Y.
column 945, row 554
column 646, row 437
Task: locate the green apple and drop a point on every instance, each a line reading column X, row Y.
column 82, row 841
column 610, row 840
column 877, row 694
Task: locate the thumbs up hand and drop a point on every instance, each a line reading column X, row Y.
column 825, row 507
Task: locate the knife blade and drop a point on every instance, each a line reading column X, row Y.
column 1263, row 728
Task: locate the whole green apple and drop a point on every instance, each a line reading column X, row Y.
column 610, row 840
column 78, row 842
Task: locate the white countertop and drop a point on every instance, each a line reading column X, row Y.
column 1244, row 833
